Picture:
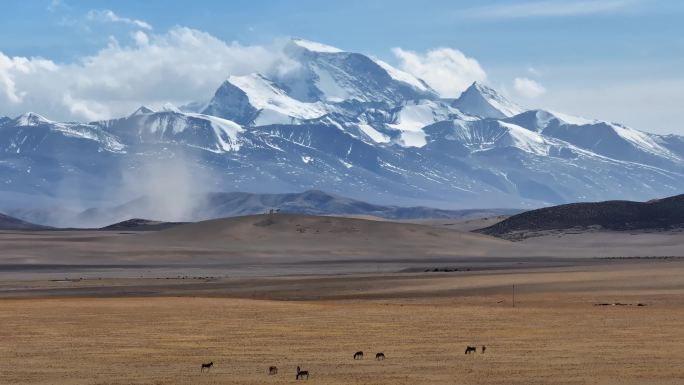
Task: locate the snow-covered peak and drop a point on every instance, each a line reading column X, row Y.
column 142, row 110
column 571, row 119
column 539, row 120
column 314, row 46
column 480, row 100
column 640, row 140
column 226, row 131
column 525, row 140
column 637, row 138
column 489, row 134
column 196, row 130
column 351, row 77
column 405, row 77
column 31, row 119
column 275, row 104
column 231, row 102
column 604, row 138
column 327, row 79
column 534, row 120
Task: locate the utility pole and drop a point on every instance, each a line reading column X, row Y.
column 513, row 295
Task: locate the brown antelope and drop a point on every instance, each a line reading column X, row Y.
column 358, row 355
column 207, row 366
column 470, row 349
column 301, row 374
column 380, row 356
column 272, row 370
column 483, row 348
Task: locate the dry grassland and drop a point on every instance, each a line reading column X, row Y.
column 164, row 341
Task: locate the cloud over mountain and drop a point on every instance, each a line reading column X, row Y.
column 178, row 66
column 447, row 70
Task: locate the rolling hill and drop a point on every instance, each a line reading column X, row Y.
column 654, row 215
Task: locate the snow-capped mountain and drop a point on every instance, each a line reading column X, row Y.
column 328, row 81
column 480, row 100
column 205, row 132
column 331, row 75
column 347, row 124
column 604, row 138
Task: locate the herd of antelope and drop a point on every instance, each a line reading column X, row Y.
column 304, row 374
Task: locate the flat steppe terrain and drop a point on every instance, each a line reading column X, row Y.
column 100, row 307
column 556, row 334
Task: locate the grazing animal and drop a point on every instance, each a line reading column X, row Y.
column 301, row 374
column 470, row 349
column 272, row 370
column 358, row 355
column 207, row 366
column 483, row 348
column 380, row 356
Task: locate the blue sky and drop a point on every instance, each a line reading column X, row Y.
column 618, row 60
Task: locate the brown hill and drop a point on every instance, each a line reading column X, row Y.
column 294, row 235
column 655, row 215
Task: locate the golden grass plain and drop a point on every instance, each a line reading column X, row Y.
column 555, row 334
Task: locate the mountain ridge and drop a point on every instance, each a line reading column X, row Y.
column 11, row 223
column 231, row 204
column 347, row 124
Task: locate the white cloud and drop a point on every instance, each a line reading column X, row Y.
column 107, row 15
column 528, row 88
column 12, row 70
column 7, row 85
column 446, row 70
column 140, row 38
column 179, row 66
column 550, row 8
